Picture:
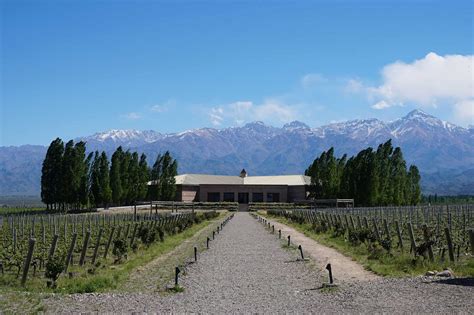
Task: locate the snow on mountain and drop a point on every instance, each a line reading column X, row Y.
column 440, row 149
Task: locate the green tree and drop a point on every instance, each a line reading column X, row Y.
column 155, row 176
column 414, row 190
column 144, row 177
column 104, row 180
column 115, row 176
column 51, row 174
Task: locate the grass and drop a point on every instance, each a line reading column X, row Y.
column 15, row 299
column 392, row 265
column 106, row 276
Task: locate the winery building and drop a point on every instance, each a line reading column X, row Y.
column 242, row 189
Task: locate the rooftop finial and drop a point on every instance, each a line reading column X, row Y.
column 243, row 173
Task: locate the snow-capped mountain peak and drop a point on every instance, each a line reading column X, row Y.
column 295, row 125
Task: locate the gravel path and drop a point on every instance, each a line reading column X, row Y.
column 347, row 270
column 247, row 271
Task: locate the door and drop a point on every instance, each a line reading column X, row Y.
column 243, row 198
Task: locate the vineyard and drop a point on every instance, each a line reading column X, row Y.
column 39, row 249
column 423, row 236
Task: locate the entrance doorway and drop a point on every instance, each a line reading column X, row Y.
column 243, row 199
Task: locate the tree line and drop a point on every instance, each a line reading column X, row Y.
column 372, row 177
column 72, row 179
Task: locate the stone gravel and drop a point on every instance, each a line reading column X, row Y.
column 248, row 271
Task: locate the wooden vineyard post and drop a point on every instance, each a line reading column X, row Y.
column 427, row 241
column 399, row 234
column 387, row 230
column 26, row 266
column 133, row 234
column 84, row 248
column 471, row 240
column 109, row 242
column 450, row 244
column 376, row 229
column 412, row 238
column 71, row 249
column 52, row 249
column 97, row 245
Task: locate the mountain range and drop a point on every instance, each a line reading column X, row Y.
column 444, row 152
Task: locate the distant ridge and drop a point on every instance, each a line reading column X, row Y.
column 443, row 151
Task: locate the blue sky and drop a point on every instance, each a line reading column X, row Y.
column 72, row 68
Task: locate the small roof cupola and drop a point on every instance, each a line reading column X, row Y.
column 243, row 173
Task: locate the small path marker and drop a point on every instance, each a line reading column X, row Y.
column 207, row 243
column 279, row 234
column 289, row 240
column 328, row 268
column 195, row 254
column 177, row 271
column 301, row 252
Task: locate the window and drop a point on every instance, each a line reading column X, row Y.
column 273, row 197
column 229, row 196
column 257, row 197
column 213, row 197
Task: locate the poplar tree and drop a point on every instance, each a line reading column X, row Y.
column 134, row 178
column 115, row 176
column 144, row 177
column 104, row 180
column 155, row 176
column 414, row 191
column 51, row 174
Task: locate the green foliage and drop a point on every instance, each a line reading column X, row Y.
column 147, row 235
column 120, row 249
column 54, row 267
column 163, row 175
column 70, row 180
column 371, row 177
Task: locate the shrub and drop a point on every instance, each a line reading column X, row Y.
column 120, row 249
column 54, row 267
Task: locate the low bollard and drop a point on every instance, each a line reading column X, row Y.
column 195, row 254
column 213, row 235
column 301, row 252
column 207, row 243
column 328, row 268
column 279, row 234
column 273, row 229
column 176, row 275
column 288, row 240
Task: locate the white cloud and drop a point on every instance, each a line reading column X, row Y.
column 161, row 108
column 427, row 82
column 464, row 111
column 158, row 108
column 271, row 111
column 216, row 116
column 354, row 86
column 381, row 105
column 132, row 116
column 312, row 79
